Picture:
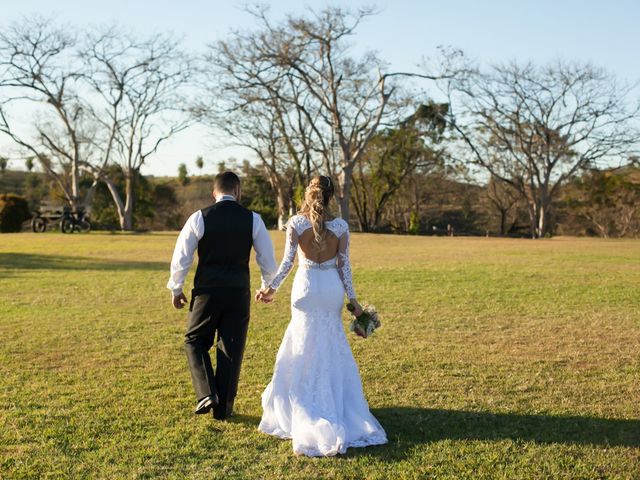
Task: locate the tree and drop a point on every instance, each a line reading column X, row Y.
column 99, row 99
column 304, row 96
column 258, row 132
column 608, row 200
column 38, row 75
column 182, row 174
column 391, row 157
column 141, row 87
column 350, row 95
column 164, row 208
column 29, row 164
column 260, row 108
column 534, row 128
column 199, row 163
column 157, row 206
column 3, row 164
column 503, row 199
column 14, row 210
column 431, row 200
column 257, row 194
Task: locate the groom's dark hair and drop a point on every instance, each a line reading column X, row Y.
column 226, row 182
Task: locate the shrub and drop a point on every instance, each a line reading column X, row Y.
column 14, row 210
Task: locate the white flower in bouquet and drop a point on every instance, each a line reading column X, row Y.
column 365, row 324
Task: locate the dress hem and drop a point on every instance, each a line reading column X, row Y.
column 369, row 441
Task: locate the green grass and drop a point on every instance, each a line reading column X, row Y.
column 496, row 359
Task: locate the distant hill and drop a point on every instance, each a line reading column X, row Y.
column 196, row 194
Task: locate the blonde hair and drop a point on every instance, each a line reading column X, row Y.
column 315, row 206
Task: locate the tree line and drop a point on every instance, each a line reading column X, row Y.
column 541, row 138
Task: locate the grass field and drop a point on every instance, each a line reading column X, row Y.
column 497, row 359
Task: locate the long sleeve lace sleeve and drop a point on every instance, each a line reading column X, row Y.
column 290, row 249
column 344, row 265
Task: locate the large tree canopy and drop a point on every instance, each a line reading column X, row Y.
column 94, row 98
column 535, row 127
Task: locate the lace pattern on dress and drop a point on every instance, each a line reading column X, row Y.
column 315, row 396
column 295, row 227
column 290, row 248
column 344, row 266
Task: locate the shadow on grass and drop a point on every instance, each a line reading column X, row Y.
column 29, row 261
column 246, row 420
column 408, row 427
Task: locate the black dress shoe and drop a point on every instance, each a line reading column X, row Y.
column 219, row 414
column 206, row 404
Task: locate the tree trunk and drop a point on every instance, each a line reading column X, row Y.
column 281, row 198
column 503, row 222
column 117, row 200
column 627, row 215
column 533, row 218
column 602, row 227
column 282, row 209
column 75, row 188
column 127, row 220
column 542, row 224
column 344, row 192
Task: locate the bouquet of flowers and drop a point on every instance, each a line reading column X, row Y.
column 366, row 323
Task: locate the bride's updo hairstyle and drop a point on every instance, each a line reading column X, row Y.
column 315, row 206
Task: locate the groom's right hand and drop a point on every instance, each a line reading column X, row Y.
column 179, row 301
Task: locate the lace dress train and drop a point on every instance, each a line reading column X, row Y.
column 315, row 397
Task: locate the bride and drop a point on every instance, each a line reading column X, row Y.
column 315, row 396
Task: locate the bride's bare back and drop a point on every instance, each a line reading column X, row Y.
column 335, row 245
column 328, row 250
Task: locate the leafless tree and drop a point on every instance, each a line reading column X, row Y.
column 333, row 102
column 535, row 127
column 350, row 94
column 138, row 98
column 256, row 103
column 39, row 77
column 269, row 143
column 93, row 100
column 503, row 199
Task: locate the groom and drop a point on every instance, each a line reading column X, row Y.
column 223, row 234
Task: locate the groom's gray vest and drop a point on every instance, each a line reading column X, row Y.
column 225, row 247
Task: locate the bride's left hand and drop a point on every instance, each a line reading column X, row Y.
column 357, row 307
column 265, row 296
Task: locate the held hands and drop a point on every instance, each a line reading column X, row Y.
column 179, row 301
column 265, row 295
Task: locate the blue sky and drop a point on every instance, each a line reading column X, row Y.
column 605, row 33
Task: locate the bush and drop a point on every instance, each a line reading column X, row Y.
column 14, row 210
column 35, row 188
column 158, row 208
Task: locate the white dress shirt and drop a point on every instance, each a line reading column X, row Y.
column 192, row 232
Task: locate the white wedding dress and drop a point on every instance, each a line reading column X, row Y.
column 315, row 396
